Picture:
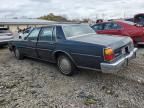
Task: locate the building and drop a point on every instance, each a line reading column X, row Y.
column 15, row 24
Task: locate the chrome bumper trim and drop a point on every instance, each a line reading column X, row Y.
column 140, row 43
column 118, row 65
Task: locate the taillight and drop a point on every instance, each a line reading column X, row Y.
column 108, row 54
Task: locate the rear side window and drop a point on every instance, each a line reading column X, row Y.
column 46, row 34
column 107, row 26
column 116, row 26
column 98, row 27
column 34, row 34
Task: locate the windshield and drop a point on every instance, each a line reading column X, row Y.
column 77, row 30
column 4, row 30
column 139, row 19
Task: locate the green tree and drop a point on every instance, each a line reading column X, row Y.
column 53, row 17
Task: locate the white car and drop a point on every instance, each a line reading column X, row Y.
column 5, row 36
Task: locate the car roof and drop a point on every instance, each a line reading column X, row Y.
column 118, row 21
column 62, row 25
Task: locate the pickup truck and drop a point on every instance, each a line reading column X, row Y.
column 73, row 46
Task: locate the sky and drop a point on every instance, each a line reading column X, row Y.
column 71, row 8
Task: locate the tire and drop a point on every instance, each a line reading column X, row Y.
column 136, row 45
column 17, row 54
column 65, row 65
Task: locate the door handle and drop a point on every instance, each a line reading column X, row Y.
column 31, row 40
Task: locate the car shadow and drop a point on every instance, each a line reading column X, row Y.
column 3, row 47
column 87, row 75
column 106, row 78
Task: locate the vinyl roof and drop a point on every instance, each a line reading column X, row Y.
column 25, row 21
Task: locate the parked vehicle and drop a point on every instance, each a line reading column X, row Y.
column 123, row 28
column 137, row 19
column 5, row 36
column 74, row 46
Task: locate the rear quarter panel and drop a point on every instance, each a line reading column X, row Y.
column 130, row 30
column 84, row 55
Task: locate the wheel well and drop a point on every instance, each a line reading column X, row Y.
column 57, row 54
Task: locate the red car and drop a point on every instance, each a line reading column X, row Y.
column 123, row 28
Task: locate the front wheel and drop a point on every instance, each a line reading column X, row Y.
column 17, row 54
column 65, row 65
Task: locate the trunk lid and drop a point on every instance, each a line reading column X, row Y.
column 113, row 42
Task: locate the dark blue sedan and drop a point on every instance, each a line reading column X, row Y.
column 74, row 46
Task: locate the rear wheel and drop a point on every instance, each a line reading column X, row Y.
column 65, row 65
column 17, row 54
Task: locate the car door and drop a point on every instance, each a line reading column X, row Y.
column 46, row 43
column 112, row 28
column 29, row 43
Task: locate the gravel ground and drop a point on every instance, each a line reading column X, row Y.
column 35, row 84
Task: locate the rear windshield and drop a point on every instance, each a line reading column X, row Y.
column 76, row 30
column 5, row 31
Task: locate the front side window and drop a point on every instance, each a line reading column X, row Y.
column 98, row 27
column 34, row 34
column 46, row 34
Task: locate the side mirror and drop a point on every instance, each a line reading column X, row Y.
column 25, row 38
column 20, row 37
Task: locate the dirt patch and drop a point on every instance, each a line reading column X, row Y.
column 34, row 84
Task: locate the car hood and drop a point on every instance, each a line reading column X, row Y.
column 105, row 40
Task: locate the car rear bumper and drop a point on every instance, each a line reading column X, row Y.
column 140, row 43
column 3, row 43
column 118, row 65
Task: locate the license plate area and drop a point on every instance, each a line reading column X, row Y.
column 125, row 50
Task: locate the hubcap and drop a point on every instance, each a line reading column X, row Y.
column 65, row 66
